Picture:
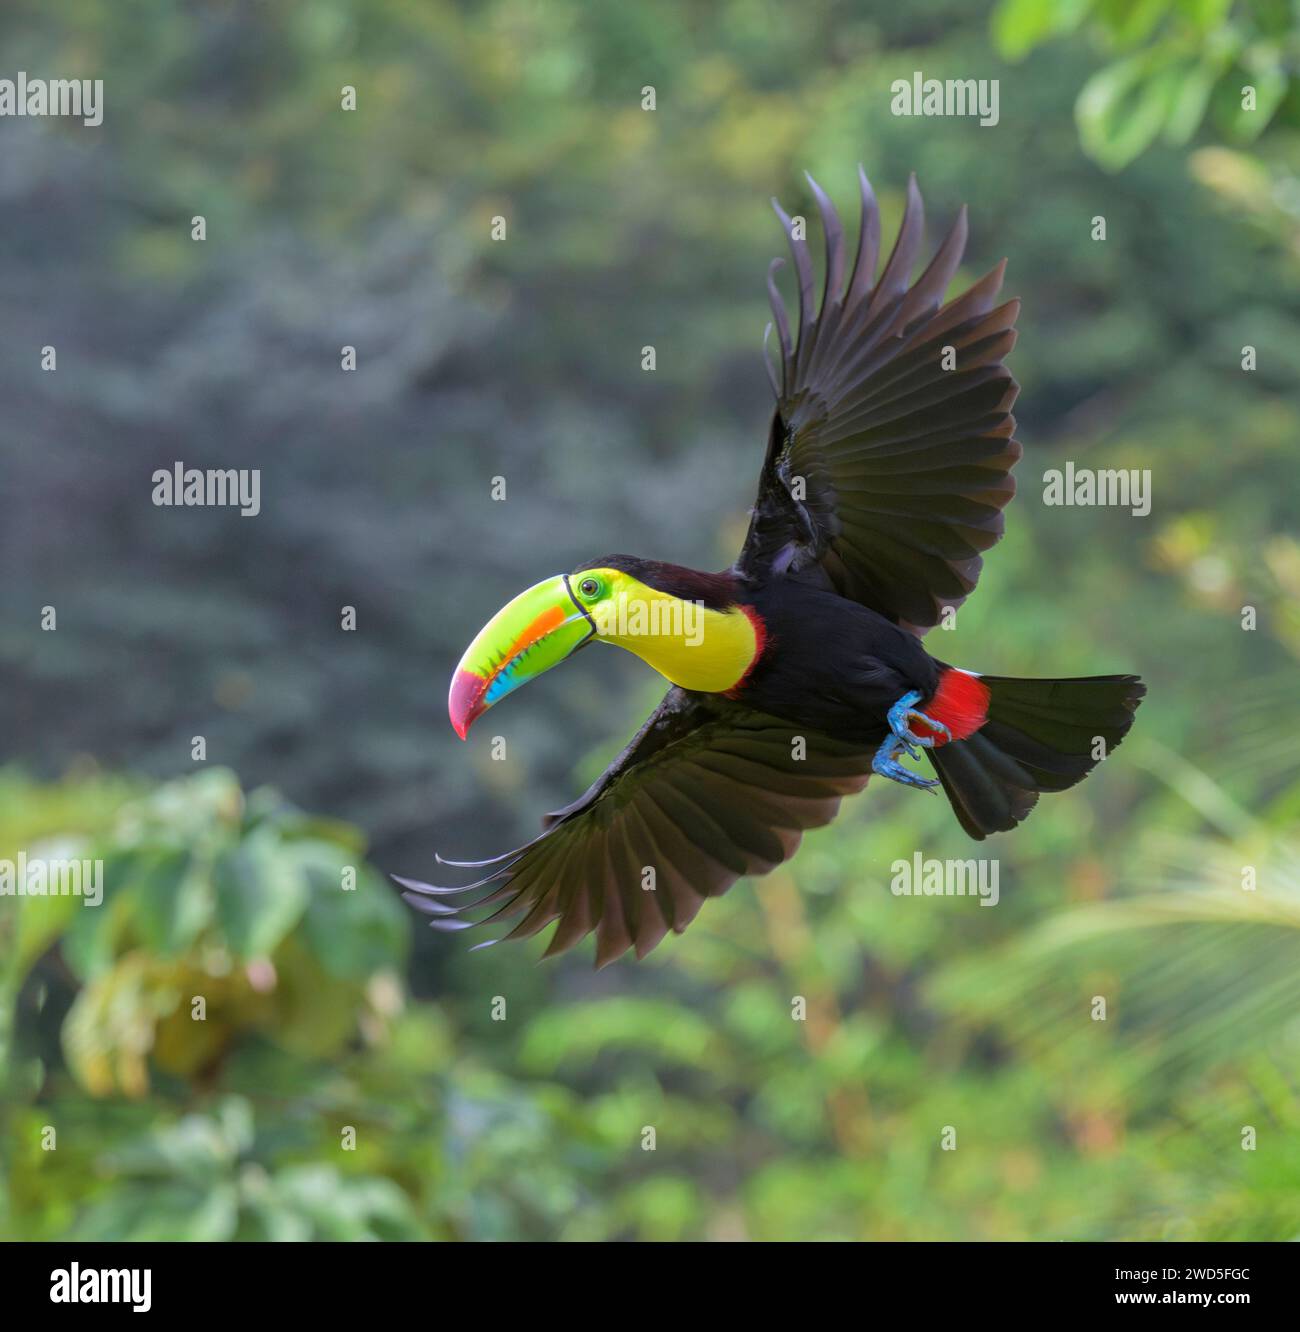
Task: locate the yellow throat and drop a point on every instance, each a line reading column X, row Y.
column 686, row 642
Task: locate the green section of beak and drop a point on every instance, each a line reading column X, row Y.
column 529, row 635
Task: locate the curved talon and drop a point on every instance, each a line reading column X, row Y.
column 887, row 765
column 903, row 713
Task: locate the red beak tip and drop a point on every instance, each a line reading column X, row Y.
column 466, row 701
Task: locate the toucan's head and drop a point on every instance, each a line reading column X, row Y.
column 684, row 623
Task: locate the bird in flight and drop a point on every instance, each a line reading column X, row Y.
column 800, row 671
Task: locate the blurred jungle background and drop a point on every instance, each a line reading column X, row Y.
column 330, row 1008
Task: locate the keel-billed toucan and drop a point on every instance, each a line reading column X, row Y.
column 799, row 671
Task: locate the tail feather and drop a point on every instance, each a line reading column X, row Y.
column 1040, row 735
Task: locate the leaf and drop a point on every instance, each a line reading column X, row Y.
column 1263, row 70
column 353, row 932
column 165, row 1211
column 150, row 892
column 261, row 894
column 167, row 903
column 109, row 1030
column 1123, row 107
column 40, row 920
column 343, row 1208
column 1020, row 25
column 1191, row 100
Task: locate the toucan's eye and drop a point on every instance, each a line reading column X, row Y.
column 589, row 587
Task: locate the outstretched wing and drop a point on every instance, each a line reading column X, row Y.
column 705, row 793
column 889, row 456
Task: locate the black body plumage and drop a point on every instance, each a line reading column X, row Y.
column 887, row 469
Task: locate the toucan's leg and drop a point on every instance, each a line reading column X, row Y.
column 887, row 764
column 903, row 713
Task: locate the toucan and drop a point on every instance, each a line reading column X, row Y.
column 801, row 670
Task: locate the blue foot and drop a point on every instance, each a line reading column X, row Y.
column 887, row 765
column 905, row 712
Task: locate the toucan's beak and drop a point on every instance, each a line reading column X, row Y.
column 534, row 632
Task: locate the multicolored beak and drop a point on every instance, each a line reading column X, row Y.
column 534, row 632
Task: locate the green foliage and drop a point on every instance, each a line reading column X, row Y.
column 202, row 1179
column 269, row 916
column 798, row 1056
column 1173, row 64
column 800, row 1052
